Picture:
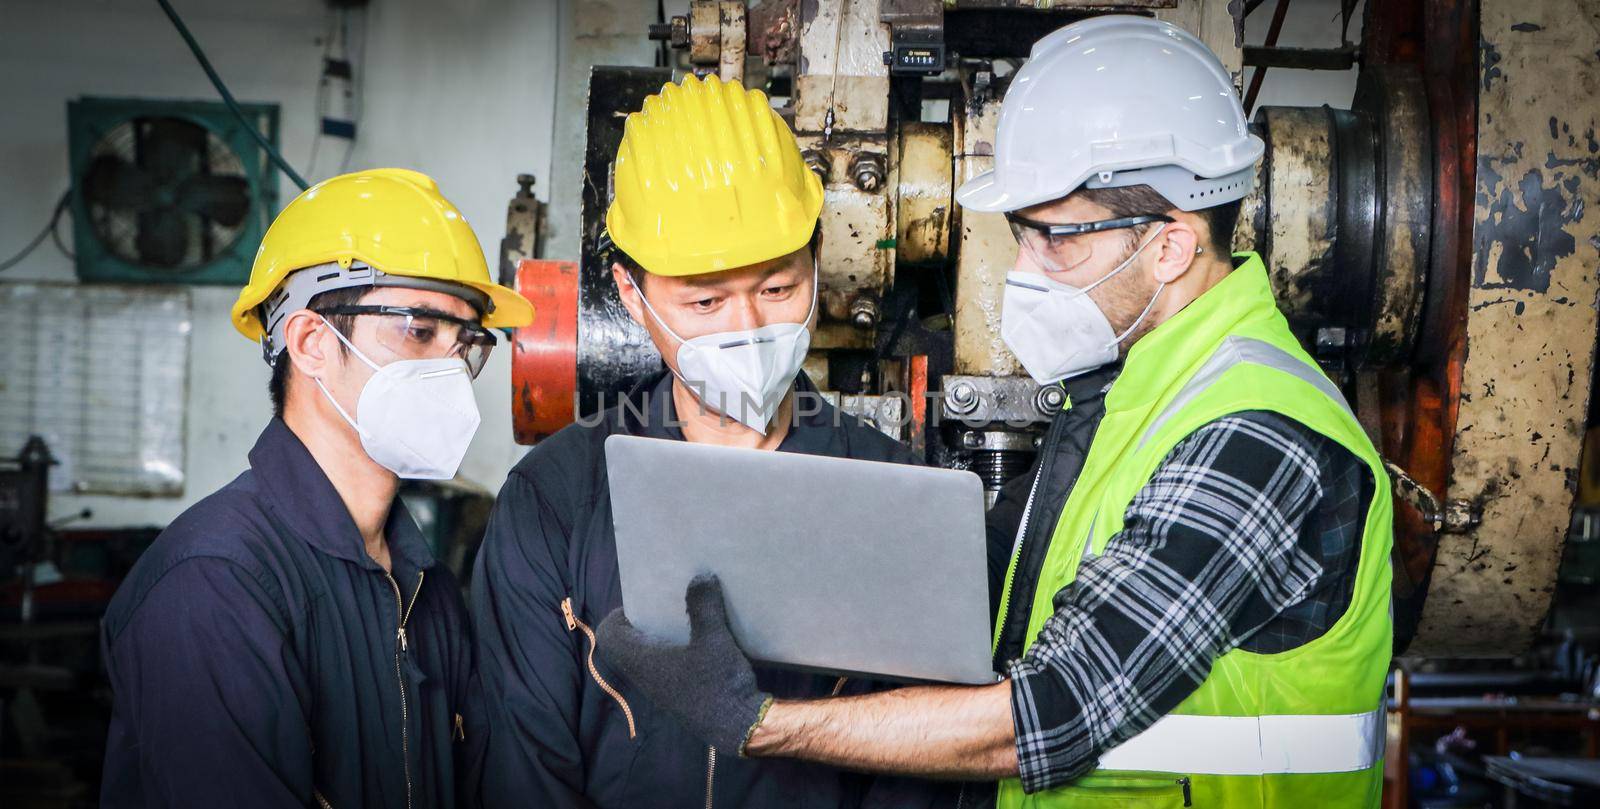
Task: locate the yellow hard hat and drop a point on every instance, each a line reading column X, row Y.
column 391, row 220
column 709, row 178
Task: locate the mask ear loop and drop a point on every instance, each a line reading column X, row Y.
column 324, row 388
column 1130, row 258
column 652, row 309
column 1153, row 298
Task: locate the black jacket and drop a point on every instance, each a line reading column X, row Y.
column 1047, row 485
column 557, row 738
column 256, row 657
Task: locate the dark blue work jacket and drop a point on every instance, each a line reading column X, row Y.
column 260, row 658
column 560, row 735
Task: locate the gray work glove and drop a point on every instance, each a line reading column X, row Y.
column 708, row 684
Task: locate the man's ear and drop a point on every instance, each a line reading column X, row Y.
column 310, row 343
column 1178, row 242
column 628, row 291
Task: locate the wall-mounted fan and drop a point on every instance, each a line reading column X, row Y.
column 168, row 191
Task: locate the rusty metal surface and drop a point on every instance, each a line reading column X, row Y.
column 1416, row 403
column 841, row 68
column 772, row 30
column 926, row 161
column 912, row 13
column 524, row 230
column 987, row 252
column 1297, row 199
column 1213, row 23
column 1342, row 215
column 855, row 261
column 705, row 31
column 544, row 355
column 855, row 258
column 1396, row 102
column 1530, row 333
column 731, row 44
column 983, row 401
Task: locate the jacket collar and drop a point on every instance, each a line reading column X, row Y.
column 300, row 494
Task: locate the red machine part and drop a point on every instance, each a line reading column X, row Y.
column 544, row 355
column 1420, row 403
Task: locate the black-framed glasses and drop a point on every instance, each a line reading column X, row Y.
column 416, row 333
column 1053, row 246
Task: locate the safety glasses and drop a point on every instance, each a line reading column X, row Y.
column 1058, row 248
column 413, row 333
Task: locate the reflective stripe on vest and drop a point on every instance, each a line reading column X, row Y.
column 1253, row 745
column 1236, row 350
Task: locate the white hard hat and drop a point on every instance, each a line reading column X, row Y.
column 1115, row 101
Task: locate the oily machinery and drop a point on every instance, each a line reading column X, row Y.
column 1434, row 245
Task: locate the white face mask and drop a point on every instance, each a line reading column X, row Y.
column 1056, row 330
column 745, row 374
column 415, row 417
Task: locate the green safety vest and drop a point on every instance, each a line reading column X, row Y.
column 1300, row 728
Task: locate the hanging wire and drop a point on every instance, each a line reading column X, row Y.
column 55, row 216
column 322, row 96
column 833, row 83
column 227, row 97
column 358, row 87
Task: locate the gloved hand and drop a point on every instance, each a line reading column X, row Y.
column 708, row 684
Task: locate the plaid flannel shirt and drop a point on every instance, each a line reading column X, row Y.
column 1247, row 536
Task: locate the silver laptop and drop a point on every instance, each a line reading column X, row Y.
column 827, row 564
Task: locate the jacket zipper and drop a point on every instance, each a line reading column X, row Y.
column 1004, row 617
column 321, row 801
column 574, row 623
column 403, row 613
column 711, row 774
column 1016, row 556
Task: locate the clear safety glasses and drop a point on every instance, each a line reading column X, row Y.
column 425, row 334
column 1059, row 247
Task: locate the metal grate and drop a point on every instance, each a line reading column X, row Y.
column 101, row 372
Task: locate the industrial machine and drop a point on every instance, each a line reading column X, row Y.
column 1430, row 246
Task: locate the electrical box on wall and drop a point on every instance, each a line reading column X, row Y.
column 168, row 191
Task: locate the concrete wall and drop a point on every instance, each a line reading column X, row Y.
column 461, row 89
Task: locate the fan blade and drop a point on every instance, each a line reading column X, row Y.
column 163, row 238
column 172, row 148
column 222, row 199
column 116, row 183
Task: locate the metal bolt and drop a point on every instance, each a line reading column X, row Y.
column 1049, row 399
column 817, row 161
column 674, row 32
column 525, row 185
column 867, row 172
column 961, row 398
column 972, row 440
column 864, row 310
